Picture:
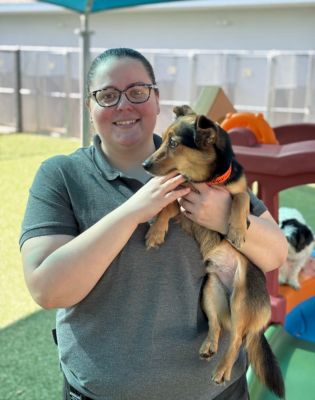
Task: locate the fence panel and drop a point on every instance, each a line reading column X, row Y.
column 279, row 84
column 8, row 112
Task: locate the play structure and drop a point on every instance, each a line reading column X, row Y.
column 277, row 159
column 275, row 167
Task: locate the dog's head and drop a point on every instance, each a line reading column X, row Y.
column 299, row 235
column 192, row 145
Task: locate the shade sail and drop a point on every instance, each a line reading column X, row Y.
column 82, row 6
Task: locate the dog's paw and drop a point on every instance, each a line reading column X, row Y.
column 221, row 375
column 206, row 355
column 236, row 236
column 282, row 279
column 154, row 239
column 205, row 351
column 294, row 284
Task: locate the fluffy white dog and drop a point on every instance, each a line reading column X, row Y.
column 300, row 243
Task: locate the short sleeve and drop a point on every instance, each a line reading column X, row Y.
column 49, row 210
column 257, row 207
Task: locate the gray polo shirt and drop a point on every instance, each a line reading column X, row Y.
column 137, row 334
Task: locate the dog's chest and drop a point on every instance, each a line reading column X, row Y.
column 301, row 256
column 224, row 263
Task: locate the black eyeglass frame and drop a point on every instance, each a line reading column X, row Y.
column 150, row 86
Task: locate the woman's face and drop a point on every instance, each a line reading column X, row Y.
column 124, row 125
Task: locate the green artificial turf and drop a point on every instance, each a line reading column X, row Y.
column 29, row 367
column 303, row 199
column 294, row 355
column 28, row 359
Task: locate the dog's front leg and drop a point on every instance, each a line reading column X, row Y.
column 293, row 277
column 284, row 273
column 157, row 231
column 238, row 219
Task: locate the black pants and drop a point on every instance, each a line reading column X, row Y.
column 237, row 391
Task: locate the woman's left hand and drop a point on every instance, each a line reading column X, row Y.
column 208, row 206
column 265, row 244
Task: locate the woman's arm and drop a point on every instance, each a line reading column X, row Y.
column 61, row 270
column 265, row 245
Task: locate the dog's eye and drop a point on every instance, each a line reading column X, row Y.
column 172, row 143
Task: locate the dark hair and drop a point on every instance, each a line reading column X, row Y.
column 119, row 52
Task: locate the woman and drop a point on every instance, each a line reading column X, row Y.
column 129, row 323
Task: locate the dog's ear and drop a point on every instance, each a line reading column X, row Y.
column 206, row 132
column 181, row 111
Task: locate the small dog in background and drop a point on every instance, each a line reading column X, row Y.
column 300, row 245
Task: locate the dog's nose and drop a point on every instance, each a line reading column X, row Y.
column 147, row 164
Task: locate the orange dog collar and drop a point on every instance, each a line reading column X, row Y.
column 222, row 178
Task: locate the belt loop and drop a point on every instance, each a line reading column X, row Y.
column 54, row 335
column 70, row 393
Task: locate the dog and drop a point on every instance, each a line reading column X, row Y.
column 200, row 150
column 300, row 245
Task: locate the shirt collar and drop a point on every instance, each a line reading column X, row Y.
column 102, row 164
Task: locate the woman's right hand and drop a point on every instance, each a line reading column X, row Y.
column 156, row 194
column 55, row 266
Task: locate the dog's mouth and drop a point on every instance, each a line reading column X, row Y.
column 155, row 170
column 197, row 171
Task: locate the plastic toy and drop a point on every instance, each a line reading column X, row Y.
column 254, row 122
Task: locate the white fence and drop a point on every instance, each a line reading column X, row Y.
column 39, row 87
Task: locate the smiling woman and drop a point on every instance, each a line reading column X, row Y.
column 128, row 319
column 123, row 106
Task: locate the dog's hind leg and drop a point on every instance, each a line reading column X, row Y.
column 239, row 323
column 215, row 305
column 224, row 369
column 293, row 278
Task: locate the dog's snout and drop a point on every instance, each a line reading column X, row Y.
column 147, row 164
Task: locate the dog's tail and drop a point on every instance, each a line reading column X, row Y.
column 265, row 363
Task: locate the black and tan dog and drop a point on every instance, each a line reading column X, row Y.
column 200, row 150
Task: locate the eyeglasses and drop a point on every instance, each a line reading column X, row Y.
column 110, row 96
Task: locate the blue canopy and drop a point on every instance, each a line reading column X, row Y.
column 85, row 7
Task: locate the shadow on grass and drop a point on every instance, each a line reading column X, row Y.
column 301, row 198
column 29, row 367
